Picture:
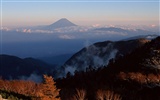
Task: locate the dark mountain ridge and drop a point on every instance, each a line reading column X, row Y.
column 144, row 59
column 100, row 53
column 12, row 67
column 134, row 76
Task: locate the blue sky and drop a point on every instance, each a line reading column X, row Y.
column 83, row 12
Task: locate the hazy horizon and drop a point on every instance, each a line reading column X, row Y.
column 19, row 13
column 132, row 17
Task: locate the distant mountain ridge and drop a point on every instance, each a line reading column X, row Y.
column 12, row 67
column 149, row 37
column 56, row 60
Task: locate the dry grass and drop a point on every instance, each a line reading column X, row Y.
column 107, row 95
column 79, row 95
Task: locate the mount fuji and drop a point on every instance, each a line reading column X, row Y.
column 60, row 24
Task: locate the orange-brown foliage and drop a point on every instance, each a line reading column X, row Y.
column 107, row 95
column 79, row 95
column 139, row 77
column 38, row 91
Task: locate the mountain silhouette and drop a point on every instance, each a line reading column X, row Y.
column 60, row 24
column 12, row 67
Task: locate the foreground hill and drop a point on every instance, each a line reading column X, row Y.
column 12, row 67
column 100, row 53
column 135, row 76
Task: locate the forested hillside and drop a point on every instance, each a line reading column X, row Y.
column 134, row 76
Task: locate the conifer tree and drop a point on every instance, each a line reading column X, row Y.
column 49, row 90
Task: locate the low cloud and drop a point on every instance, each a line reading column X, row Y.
column 27, row 30
column 66, row 37
column 96, row 25
column 70, row 69
column 33, row 77
column 94, row 56
column 5, row 29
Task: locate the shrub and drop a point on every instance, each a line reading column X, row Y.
column 79, row 95
column 107, row 95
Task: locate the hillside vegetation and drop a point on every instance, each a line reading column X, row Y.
column 134, row 76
